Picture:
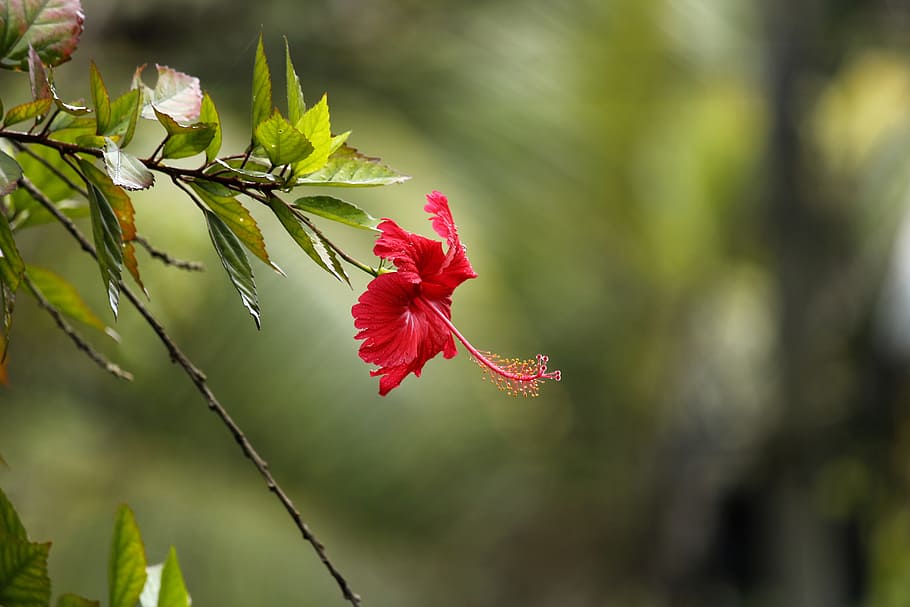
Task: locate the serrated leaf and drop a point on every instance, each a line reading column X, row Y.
column 283, row 144
column 337, row 210
column 123, row 208
column 52, row 27
column 10, row 172
column 11, row 270
column 176, row 94
column 108, row 236
column 101, row 100
column 246, row 174
column 234, row 260
column 37, row 76
column 27, row 111
column 349, row 168
column 126, row 569
column 74, row 600
column 125, row 169
column 261, row 104
column 308, row 240
column 124, row 115
column 209, row 114
column 173, row 590
column 184, row 141
column 11, row 528
column 23, row 574
column 296, row 103
column 316, row 127
column 64, row 296
column 223, row 202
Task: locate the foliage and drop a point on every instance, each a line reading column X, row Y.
column 24, row 580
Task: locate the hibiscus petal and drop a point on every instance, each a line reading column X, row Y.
column 441, row 217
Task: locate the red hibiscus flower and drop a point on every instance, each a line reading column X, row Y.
column 404, row 317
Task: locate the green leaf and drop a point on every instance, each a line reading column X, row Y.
column 23, row 574
column 176, row 94
column 262, row 89
column 349, row 168
column 296, row 103
column 27, row 111
column 74, row 600
column 10, row 172
column 93, row 141
column 28, row 211
column 11, row 270
column 230, row 251
column 124, row 115
column 337, row 210
column 125, row 169
column 78, row 124
column 64, row 296
column 173, row 590
column 338, row 141
column 316, row 127
column 122, row 206
column 283, row 143
column 183, row 141
column 126, row 569
column 222, row 201
column 52, row 27
column 101, row 100
column 108, row 236
column 208, row 113
column 310, row 241
column 11, row 528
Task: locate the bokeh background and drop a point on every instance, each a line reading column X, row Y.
column 697, row 208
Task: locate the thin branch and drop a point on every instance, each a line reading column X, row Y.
column 199, row 380
column 167, row 259
column 83, row 345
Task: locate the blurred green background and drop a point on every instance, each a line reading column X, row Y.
column 697, row 208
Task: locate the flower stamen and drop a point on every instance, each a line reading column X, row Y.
column 514, row 376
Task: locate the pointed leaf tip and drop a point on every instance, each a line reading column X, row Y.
column 126, row 569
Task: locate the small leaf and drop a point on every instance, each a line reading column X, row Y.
column 37, row 76
column 124, row 115
column 11, row 270
column 73, row 109
column 93, row 141
column 338, row 141
column 185, row 141
column 101, row 100
column 283, row 143
column 209, row 114
column 23, row 574
column 10, row 172
column 125, row 169
column 74, row 600
column 337, row 210
column 230, row 251
column 311, row 243
column 247, row 174
column 27, row 111
column 173, row 590
column 296, row 104
column 108, row 237
column 176, row 94
column 316, row 127
column 11, row 528
column 262, row 89
column 126, row 570
column 222, row 201
column 64, row 296
column 51, row 27
column 349, row 168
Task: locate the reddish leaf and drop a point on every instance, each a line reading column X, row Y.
column 51, row 27
column 176, row 94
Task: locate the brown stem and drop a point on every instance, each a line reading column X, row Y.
column 199, row 380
